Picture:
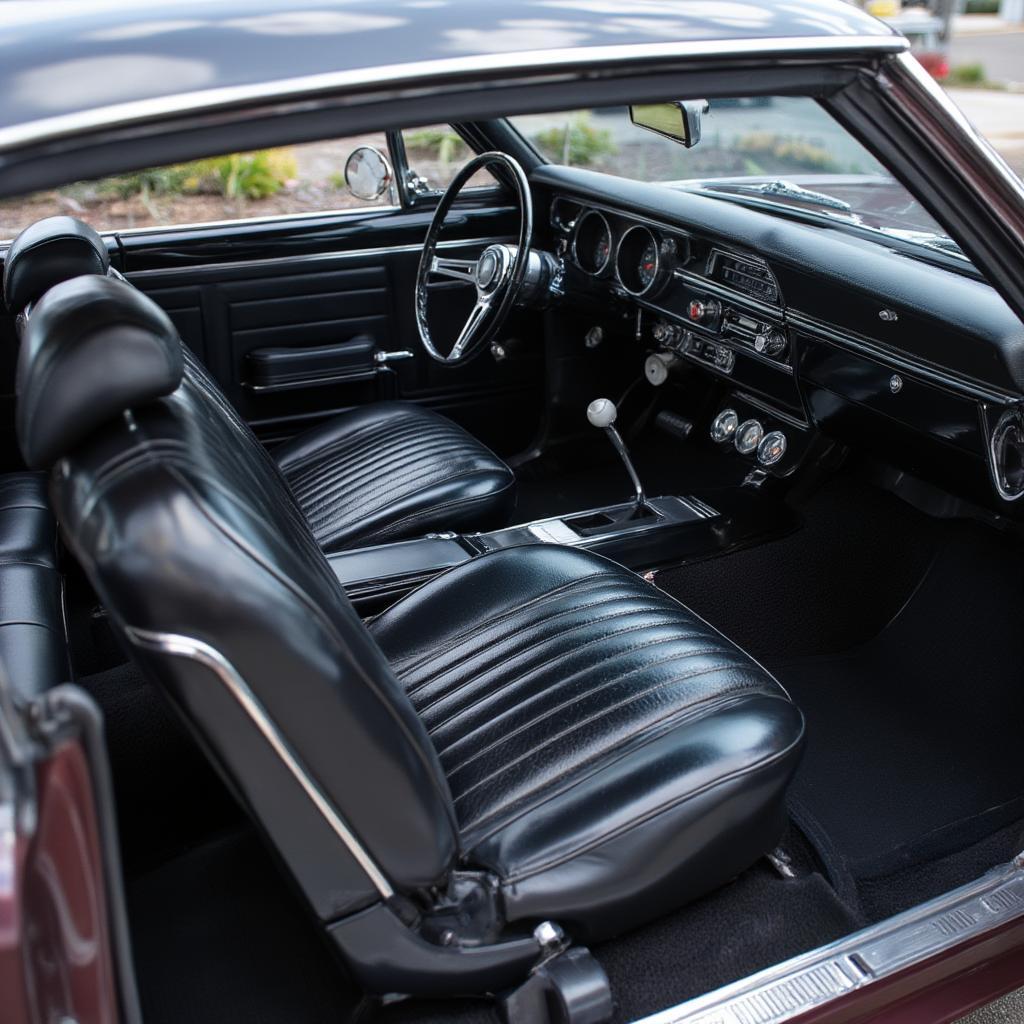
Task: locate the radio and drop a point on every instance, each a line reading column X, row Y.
column 762, row 336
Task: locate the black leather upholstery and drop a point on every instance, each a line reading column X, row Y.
column 94, row 347
column 535, row 734
column 33, row 642
column 386, row 471
column 609, row 753
column 392, row 470
column 182, row 530
column 48, row 252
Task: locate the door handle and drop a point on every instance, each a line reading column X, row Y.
column 392, row 357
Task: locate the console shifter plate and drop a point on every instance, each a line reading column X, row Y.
column 553, row 531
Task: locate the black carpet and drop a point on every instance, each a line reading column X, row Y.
column 913, row 737
column 220, row 939
column 832, row 584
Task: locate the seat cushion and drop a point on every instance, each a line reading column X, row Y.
column 391, row 470
column 610, row 754
column 33, row 642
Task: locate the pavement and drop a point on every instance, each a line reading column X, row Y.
column 997, row 45
column 999, row 116
column 1008, row 1010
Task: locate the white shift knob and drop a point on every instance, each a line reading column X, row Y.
column 601, row 412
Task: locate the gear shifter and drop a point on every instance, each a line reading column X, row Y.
column 602, row 413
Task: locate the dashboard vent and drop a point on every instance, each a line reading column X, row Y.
column 1006, row 455
column 745, row 274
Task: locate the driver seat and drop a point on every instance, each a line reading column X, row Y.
column 374, row 474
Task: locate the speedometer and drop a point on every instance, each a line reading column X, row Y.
column 643, row 262
column 647, row 270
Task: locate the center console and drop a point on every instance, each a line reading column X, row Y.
column 642, row 534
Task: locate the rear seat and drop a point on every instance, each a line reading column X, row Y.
column 33, row 635
column 33, row 638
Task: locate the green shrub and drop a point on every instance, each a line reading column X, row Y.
column 982, row 7
column 254, row 175
column 436, row 144
column 966, row 74
column 576, row 143
column 766, row 151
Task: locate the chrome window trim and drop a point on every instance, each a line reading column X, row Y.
column 790, row 989
column 208, row 656
column 346, row 254
column 344, row 212
column 62, row 126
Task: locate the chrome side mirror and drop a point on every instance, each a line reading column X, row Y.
column 368, row 173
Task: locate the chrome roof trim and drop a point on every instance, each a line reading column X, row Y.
column 211, row 658
column 792, row 988
column 590, row 58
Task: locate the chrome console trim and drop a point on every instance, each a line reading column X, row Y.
column 790, row 989
column 211, row 658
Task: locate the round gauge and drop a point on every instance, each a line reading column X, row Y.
column 772, row 448
column 641, row 260
column 648, row 267
column 724, row 425
column 1007, row 455
column 592, row 242
column 748, row 436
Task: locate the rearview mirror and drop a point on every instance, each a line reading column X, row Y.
column 679, row 121
column 367, row 173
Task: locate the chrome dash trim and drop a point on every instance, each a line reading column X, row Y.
column 397, row 76
column 211, row 658
column 821, row 331
column 790, row 989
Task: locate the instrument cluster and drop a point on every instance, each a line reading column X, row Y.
column 639, row 259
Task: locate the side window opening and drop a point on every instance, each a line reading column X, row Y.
column 302, row 179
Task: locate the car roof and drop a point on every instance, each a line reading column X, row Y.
column 64, row 62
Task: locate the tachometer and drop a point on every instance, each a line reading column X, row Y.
column 592, row 242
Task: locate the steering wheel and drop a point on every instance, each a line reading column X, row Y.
column 497, row 273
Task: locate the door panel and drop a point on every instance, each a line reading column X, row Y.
column 235, row 289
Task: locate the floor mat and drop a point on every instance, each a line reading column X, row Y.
column 913, row 743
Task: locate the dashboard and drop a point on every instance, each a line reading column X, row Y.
column 808, row 328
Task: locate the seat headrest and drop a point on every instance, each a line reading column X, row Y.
column 48, row 252
column 94, row 347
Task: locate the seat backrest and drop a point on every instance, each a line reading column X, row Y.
column 211, row 574
column 47, row 252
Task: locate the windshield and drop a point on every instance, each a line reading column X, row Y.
column 781, row 151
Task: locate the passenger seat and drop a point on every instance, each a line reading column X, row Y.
column 380, row 472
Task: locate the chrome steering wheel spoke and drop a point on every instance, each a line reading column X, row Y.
column 459, row 270
column 469, row 328
column 498, row 273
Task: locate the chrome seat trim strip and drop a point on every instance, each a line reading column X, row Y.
column 211, row 658
column 791, row 988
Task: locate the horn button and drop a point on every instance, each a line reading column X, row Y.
column 490, row 268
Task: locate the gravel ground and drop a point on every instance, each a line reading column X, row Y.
column 1008, row 1010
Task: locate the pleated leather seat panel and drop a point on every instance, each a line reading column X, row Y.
column 394, row 470
column 576, row 709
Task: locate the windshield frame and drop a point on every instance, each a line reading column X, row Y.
column 959, row 262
